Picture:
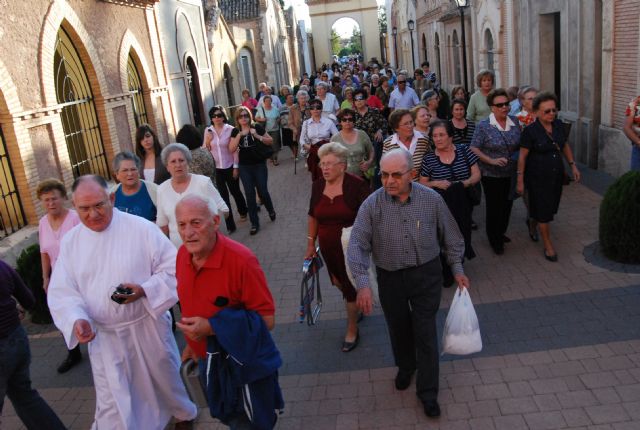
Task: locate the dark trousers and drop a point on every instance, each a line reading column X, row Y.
column 410, row 299
column 498, row 205
column 226, row 184
column 15, row 382
column 256, row 176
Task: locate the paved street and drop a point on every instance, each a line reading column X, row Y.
column 561, row 341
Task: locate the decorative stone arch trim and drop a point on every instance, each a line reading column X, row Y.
column 128, row 45
column 18, row 144
column 60, row 14
column 181, row 12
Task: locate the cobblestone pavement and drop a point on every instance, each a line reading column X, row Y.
column 561, row 341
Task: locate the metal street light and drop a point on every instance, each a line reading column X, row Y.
column 461, row 5
column 395, row 43
column 412, row 25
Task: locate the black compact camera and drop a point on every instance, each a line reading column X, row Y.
column 121, row 290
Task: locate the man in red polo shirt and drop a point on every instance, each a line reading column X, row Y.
column 214, row 272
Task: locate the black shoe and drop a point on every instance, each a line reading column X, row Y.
column 230, row 230
column 431, row 408
column 403, row 379
column 350, row 346
column 498, row 249
column 254, row 230
column 553, row 258
column 272, row 216
column 69, row 362
column 506, row 239
column 533, row 235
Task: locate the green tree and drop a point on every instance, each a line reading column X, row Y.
column 382, row 19
column 355, row 41
column 335, row 42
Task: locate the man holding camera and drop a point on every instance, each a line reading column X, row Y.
column 113, row 284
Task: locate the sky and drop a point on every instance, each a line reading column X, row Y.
column 344, row 28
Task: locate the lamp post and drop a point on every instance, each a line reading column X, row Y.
column 461, row 5
column 412, row 25
column 395, row 44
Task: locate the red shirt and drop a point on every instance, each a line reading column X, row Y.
column 231, row 271
column 374, row 102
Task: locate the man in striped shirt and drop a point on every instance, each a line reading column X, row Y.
column 412, row 227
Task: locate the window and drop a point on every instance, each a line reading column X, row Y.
column 135, row 88
column 424, row 48
column 194, row 92
column 437, row 46
column 456, row 57
column 11, row 213
column 78, row 116
column 228, row 84
column 488, row 43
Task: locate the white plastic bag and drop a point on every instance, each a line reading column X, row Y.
column 373, row 280
column 461, row 330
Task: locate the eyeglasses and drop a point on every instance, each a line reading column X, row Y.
column 244, row 115
column 501, row 105
column 548, row 111
column 147, row 134
column 347, row 119
column 217, row 115
column 315, row 107
column 394, row 175
column 358, row 98
column 326, row 164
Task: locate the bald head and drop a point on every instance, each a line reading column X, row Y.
column 397, row 156
column 92, row 202
column 198, row 202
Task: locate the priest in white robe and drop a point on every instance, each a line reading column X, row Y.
column 134, row 356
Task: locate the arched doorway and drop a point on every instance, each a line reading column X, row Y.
column 78, row 116
column 193, row 84
column 228, row 84
column 456, row 57
column 11, row 212
column 247, row 71
column 437, row 49
column 136, row 90
column 346, row 38
column 488, row 43
column 424, row 48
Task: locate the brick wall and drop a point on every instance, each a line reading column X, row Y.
column 625, row 57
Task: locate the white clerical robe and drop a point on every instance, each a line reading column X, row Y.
column 134, row 356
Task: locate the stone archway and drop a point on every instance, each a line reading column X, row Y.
column 324, row 13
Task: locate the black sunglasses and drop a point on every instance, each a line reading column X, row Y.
column 315, row 107
column 217, row 115
column 244, row 115
column 501, row 105
column 552, row 110
column 347, row 119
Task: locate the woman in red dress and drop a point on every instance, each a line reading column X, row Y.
column 335, row 200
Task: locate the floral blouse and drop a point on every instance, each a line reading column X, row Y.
column 371, row 122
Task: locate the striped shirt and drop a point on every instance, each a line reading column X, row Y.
column 463, row 136
column 400, row 235
column 418, row 148
column 458, row 170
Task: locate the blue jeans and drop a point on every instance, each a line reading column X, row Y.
column 256, row 176
column 15, row 382
column 635, row 158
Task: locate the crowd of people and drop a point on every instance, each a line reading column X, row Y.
column 390, row 154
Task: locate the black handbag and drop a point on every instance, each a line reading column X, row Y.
column 474, row 192
column 265, row 151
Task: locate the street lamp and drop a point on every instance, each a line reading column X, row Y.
column 461, row 5
column 395, row 44
column 412, row 26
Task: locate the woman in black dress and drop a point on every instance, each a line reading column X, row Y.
column 540, row 167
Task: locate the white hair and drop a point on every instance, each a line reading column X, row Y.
column 398, row 152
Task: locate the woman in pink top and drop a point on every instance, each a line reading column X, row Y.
column 248, row 101
column 216, row 139
column 52, row 227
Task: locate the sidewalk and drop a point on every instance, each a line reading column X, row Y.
column 561, row 340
